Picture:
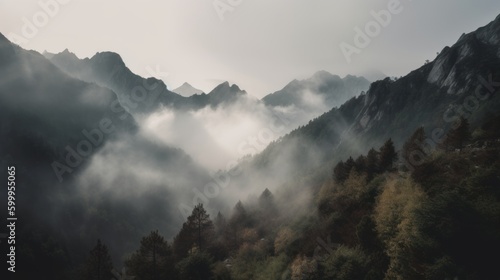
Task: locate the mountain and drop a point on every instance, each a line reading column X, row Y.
column 322, row 89
column 67, row 140
column 461, row 81
column 221, row 94
column 139, row 95
column 44, row 105
column 187, row 90
column 373, row 75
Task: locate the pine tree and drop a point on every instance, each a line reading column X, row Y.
column 349, row 165
column 183, row 242
column 339, row 174
column 220, row 223
column 342, row 170
column 153, row 260
column 360, row 164
column 388, row 156
column 266, row 202
column 238, row 221
column 201, row 225
column 372, row 163
column 98, row 265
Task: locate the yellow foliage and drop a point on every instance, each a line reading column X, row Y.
column 303, row 268
column 283, row 239
column 395, row 223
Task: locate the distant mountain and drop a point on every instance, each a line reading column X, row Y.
column 463, row 80
column 139, row 95
column 187, row 90
column 221, row 94
column 322, row 88
column 373, row 75
column 48, row 55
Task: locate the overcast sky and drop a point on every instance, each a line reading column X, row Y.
column 260, row 45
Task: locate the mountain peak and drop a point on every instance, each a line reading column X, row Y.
column 108, row 57
column 187, row 90
column 323, row 74
column 66, row 53
column 225, row 93
column 226, row 87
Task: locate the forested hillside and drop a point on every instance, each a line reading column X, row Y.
column 373, row 219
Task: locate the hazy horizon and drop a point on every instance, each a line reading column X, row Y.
column 194, row 43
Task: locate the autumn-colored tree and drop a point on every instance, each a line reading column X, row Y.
column 283, row 239
column 98, row 265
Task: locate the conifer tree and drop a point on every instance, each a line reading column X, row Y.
column 153, row 260
column 201, row 225
column 98, row 265
column 388, row 156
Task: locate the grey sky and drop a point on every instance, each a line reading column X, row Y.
column 260, row 45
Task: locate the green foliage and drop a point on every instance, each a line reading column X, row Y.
column 441, row 221
column 345, row 264
column 197, row 266
column 197, row 231
column 273, row 268
column 201, row 225
column 153, row 260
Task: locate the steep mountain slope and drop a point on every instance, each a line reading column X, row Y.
column 187, row 90
column 68, row 140
column 322, row 88
column 460, row 81
column 137, row 94
column 41, row 104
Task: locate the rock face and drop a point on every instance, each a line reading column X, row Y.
column 329, row 90
column 463, row 80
